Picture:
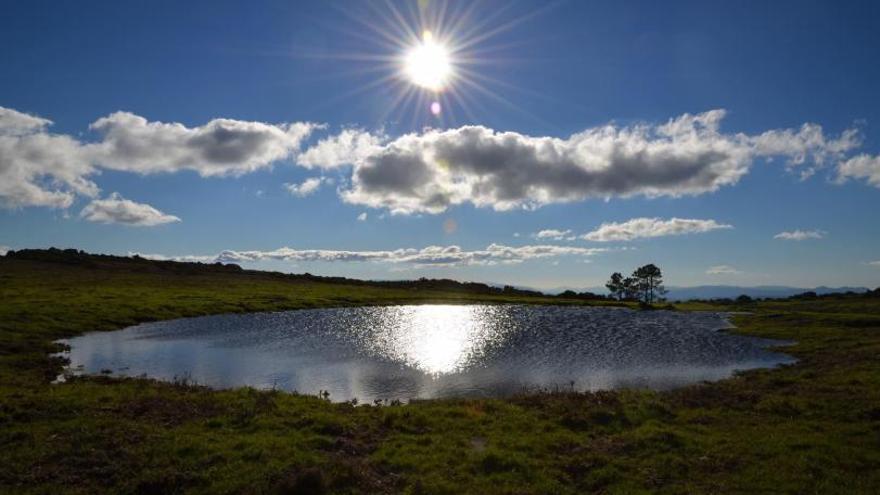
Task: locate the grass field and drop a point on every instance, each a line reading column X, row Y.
column 812, row 427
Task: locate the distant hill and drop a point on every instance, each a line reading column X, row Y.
column 763, row 291
column 729, row 291
column 139, row 264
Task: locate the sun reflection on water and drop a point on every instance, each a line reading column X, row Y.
column 437, row 339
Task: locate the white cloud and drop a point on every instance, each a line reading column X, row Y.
column 38, row 168
column 554, row 234
column 638, row 228
column 722, row 270
column 688, row 155
column 807, row 144
column 420, row 172
column 362, row 217
column 349, row 146
column 220, row 147
column 800, row 235
column 14, row 123
column 865, row 167
column 306, row 188
column 874, row 263
column 428, row 256
column 185, row 259
column 116, row 209
column 4, row 250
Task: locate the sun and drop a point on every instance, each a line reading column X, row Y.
column 428, row 64
column 435, row 59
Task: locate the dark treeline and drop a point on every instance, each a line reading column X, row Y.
column 804, row 296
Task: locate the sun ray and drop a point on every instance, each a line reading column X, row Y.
column 467, row 42
column 507, row 103
column 430, row 57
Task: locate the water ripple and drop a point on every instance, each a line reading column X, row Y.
column 426, row 351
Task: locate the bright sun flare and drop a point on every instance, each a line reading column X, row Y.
column 428, row 64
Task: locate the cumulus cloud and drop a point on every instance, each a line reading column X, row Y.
column 865, row 167
column 722, row 270
column 349, row 146
column 4, row 250
column 688, row 155
column 554, row 234
column 39, row 168
column 427, row 171
column 307, row 187
column 220, row 147
column 14, row 123
column 116, row 209
column 638, row 228
column 800, row 235
column 428, row 256
column 362, row 217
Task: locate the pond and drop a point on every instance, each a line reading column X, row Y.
column 430, row 351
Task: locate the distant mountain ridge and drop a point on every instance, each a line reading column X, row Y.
column 763, row 291
column 729, row 291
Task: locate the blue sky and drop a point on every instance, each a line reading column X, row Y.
column 573, row 103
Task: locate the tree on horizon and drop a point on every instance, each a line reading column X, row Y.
column 645, row 284
column 650, row 282
column 615, row 286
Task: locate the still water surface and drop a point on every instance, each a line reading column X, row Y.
column 427, row 351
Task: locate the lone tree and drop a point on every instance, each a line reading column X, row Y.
column 615, row 286
column 645, row 284
column 631, row 289
column 650, row 283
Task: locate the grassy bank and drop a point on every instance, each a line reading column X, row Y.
column 813, row 427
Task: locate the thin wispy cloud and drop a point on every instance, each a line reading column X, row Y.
column 722, row 270
column 116, row 209
column 800, row 235
column 429, row 256
column 640, row 228
column 306, row 187
column 554, row 234
column 362, row 217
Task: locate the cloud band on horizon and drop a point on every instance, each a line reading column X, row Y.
column 428, row 256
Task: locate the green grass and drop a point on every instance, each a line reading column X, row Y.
column 812, row 427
